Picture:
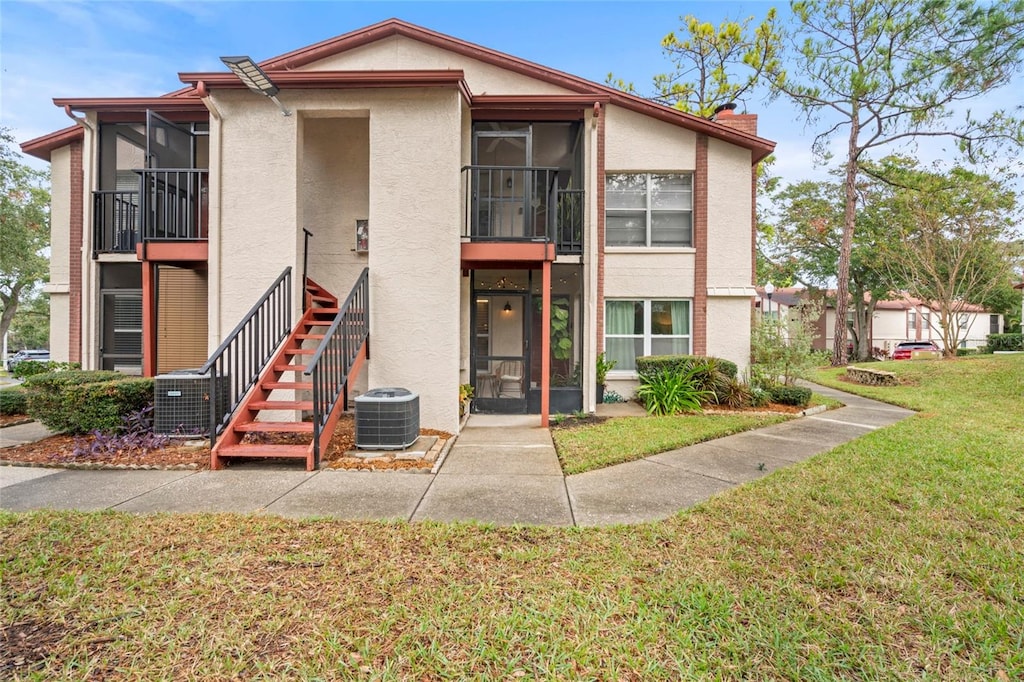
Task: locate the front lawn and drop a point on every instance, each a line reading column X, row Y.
column 624, row 439
column 895, row 556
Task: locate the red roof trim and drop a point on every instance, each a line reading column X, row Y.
column 128, row 104
column 336, row 79
column 42, row 147
column 759, row 147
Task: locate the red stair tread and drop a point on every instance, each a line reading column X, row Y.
column 276, row 427
column 280, row 405
column 309, row 336
column 263, row 450
column 299, row 351
column 287, row 385
column 289, row 368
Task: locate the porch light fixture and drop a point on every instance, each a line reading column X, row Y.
column 508, row 307
column 255, row 78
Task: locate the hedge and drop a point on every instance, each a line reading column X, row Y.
column 83, row 401
column 1005, row 342
column 12, row 401
column 28, row 368
column 654, row 363
column 790, row 395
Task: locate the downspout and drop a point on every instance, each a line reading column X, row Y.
column 213, row 283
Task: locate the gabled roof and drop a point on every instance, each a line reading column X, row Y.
column 288, row 62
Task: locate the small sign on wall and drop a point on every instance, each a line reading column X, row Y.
column 362, row 236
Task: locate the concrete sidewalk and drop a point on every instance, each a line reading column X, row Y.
column 501, row 470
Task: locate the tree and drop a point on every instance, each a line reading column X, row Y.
column 807, row 234
column 892, row 71
column 30, row 327
column 713, row 65
column 954, row 247
column 24, row 229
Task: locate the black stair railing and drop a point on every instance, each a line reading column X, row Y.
column 237, row 363
column 332, row 362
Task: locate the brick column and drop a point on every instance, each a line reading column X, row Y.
column 700, row 241
column 77, row 228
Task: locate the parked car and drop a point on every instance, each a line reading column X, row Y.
column 906, row 350
column 38, row 355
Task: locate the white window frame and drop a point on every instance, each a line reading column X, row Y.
column 649, row 211
column 647, row 336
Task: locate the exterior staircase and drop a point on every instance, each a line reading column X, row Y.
column 253, row 427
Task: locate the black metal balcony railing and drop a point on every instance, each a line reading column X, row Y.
column 116, row 221
column 522, row 203
column 170, row 205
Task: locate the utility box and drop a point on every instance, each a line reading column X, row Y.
column 181, row 403
column 387, row 419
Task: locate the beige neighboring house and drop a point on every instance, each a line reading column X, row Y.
column 513, row 222
column 894, row 321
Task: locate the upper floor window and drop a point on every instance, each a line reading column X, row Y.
column 648, row 209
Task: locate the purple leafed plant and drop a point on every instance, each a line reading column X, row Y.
column 135, row 436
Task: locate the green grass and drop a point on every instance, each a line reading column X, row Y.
column 624, row 439
column 896, row 556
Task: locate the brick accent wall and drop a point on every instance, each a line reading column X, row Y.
column 75, row 255
column 600, row 227
column 700, row 241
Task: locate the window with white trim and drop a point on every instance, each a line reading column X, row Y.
column 648, row 209
column 635, row 328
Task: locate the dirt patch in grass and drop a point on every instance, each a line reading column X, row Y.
column 59, row 450
column 26, row 644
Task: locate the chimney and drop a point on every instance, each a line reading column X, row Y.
column 725, row 115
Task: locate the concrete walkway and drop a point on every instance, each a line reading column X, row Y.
column 501, row 470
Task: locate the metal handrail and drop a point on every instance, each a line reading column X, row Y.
column 173, row 204
column 115, row 221
column 236, row 365
column 332, row 362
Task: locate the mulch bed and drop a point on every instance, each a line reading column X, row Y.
column 59, row 451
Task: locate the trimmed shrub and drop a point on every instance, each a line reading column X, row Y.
column 652, row 363
column 789, row 395
column 1000, row 342
column 79, row 402
column 13, row 401
column 963, row 352
column 28, row 368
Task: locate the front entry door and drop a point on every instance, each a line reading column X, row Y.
column 500, row 352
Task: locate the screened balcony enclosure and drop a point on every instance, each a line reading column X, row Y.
column 526, row 185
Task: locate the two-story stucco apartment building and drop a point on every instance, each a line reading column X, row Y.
column 514, row 221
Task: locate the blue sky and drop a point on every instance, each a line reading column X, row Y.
column 98, row 48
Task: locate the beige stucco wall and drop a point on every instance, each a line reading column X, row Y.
column 398, row 53
column 729, row 216
column 729, row 329
column 634, row 142
column 409, row 197
column 649, row 273
column 60, row 236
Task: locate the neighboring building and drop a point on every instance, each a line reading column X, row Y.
column 894, row 320
column 485, row 194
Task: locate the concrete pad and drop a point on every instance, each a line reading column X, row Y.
column 721, row 462
column 499, row 436
column 816, row 430
column 14, row 475
column 22, row 434
column 510, row 460
column 86, row 490
column 233, row 490
column 499, row 499
column 636, row 492
column 504, row 421
column 355, row 495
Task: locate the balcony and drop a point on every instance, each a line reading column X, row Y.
column 523, row 204
column 170, row 206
